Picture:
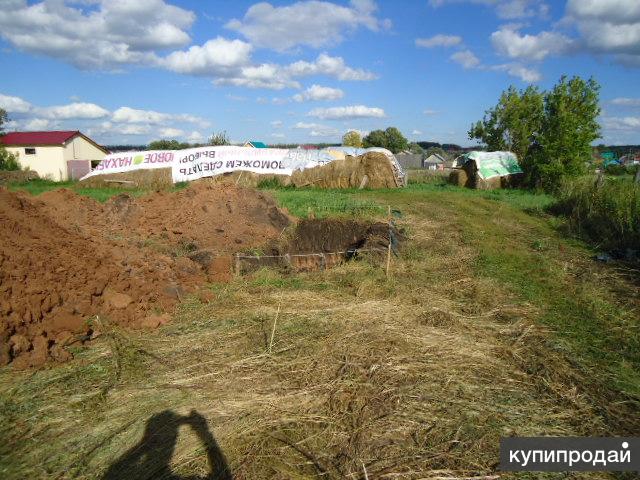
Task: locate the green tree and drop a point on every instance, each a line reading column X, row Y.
column 8, row 161
column 168, row 145
column 550, row 132
column 569, row 127
column 512, row 123
column 391, row 139
column 218, row 139
column 396, row 142
column 415, row 148
column 375, row 138
column 352, row 139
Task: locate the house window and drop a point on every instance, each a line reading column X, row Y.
column 29, row 151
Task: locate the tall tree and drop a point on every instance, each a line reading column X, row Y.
column 570, row 124
column 550, row 132
column 396, row 142
column 391, row 138
column 375, row 138
column 352, row 139
column 218, row 139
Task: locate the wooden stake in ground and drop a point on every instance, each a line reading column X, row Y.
column 273, row 330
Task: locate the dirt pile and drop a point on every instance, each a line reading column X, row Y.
column 68, row 263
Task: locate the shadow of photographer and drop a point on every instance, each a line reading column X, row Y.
column 151, row 457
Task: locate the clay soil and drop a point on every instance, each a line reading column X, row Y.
column 69, row 264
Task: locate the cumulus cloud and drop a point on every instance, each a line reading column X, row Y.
column 347, row 112
column 508, row 41
column 112, row 34
column 151, row 117
column 330, row 66
column 507, row 9
column 439, row 41
column 416, row 132
column 528, row 75
column 318, row 92
column 308, row 126
column 466, row 58
column 74, row 111
column 170, row 132
column 621, row 123
column 36, row 124
column 14, row 104
column 608, row 27
column 306, row 23
column 276, row 123
column 216, row 57
column 626, row 102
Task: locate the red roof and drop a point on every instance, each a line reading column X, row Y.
column 38, row 138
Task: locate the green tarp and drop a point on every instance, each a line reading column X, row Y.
column 494, row 164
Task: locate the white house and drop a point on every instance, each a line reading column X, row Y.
column 59, row 155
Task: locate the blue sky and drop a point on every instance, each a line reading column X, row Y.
column 308, row 71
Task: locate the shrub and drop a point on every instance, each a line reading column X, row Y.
column 8, row 161
column 607, row 214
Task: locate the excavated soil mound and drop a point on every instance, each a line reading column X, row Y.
column 69, row 263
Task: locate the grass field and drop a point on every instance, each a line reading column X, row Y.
column 492, row 323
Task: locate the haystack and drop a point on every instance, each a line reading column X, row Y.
column 158, row 178
column 372, row 170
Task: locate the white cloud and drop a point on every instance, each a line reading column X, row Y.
column 195, row 137
column 416, row 132
column 330, row 66
column 14, row 104
column 466, row 58
column 329, row 132
column 507, row 9
column 608, row 27
column 217, row 57
column 36, row 124
column 508, row 41
column 236, row 98
column 528, row 75
column 439, row 41
column 348, row 112
column 278, row 135
column 170, row 132
column 305, row 23
column 74, row 111
column 430, row 111
column 276, row 123
column 308, row 126
column 318, row 92
column 267, row 75
column 626, row 102
column 621, row 123
column 151, row 117
column 114, row 33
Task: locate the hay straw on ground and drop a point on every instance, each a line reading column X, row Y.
column 409, row 377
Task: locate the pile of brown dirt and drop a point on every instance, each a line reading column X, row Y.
column 66, row 260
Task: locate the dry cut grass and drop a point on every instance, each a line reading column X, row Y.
column 335, row 374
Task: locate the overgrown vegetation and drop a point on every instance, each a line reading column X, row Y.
column 8, row 161
column 550, row 132
column 606, row 212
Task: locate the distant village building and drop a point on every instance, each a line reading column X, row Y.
column 409, row 160
column 255, row 144
column 434, row 162
column 56, row 155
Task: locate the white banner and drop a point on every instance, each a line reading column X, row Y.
column 193, row 163
column 129, row 161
